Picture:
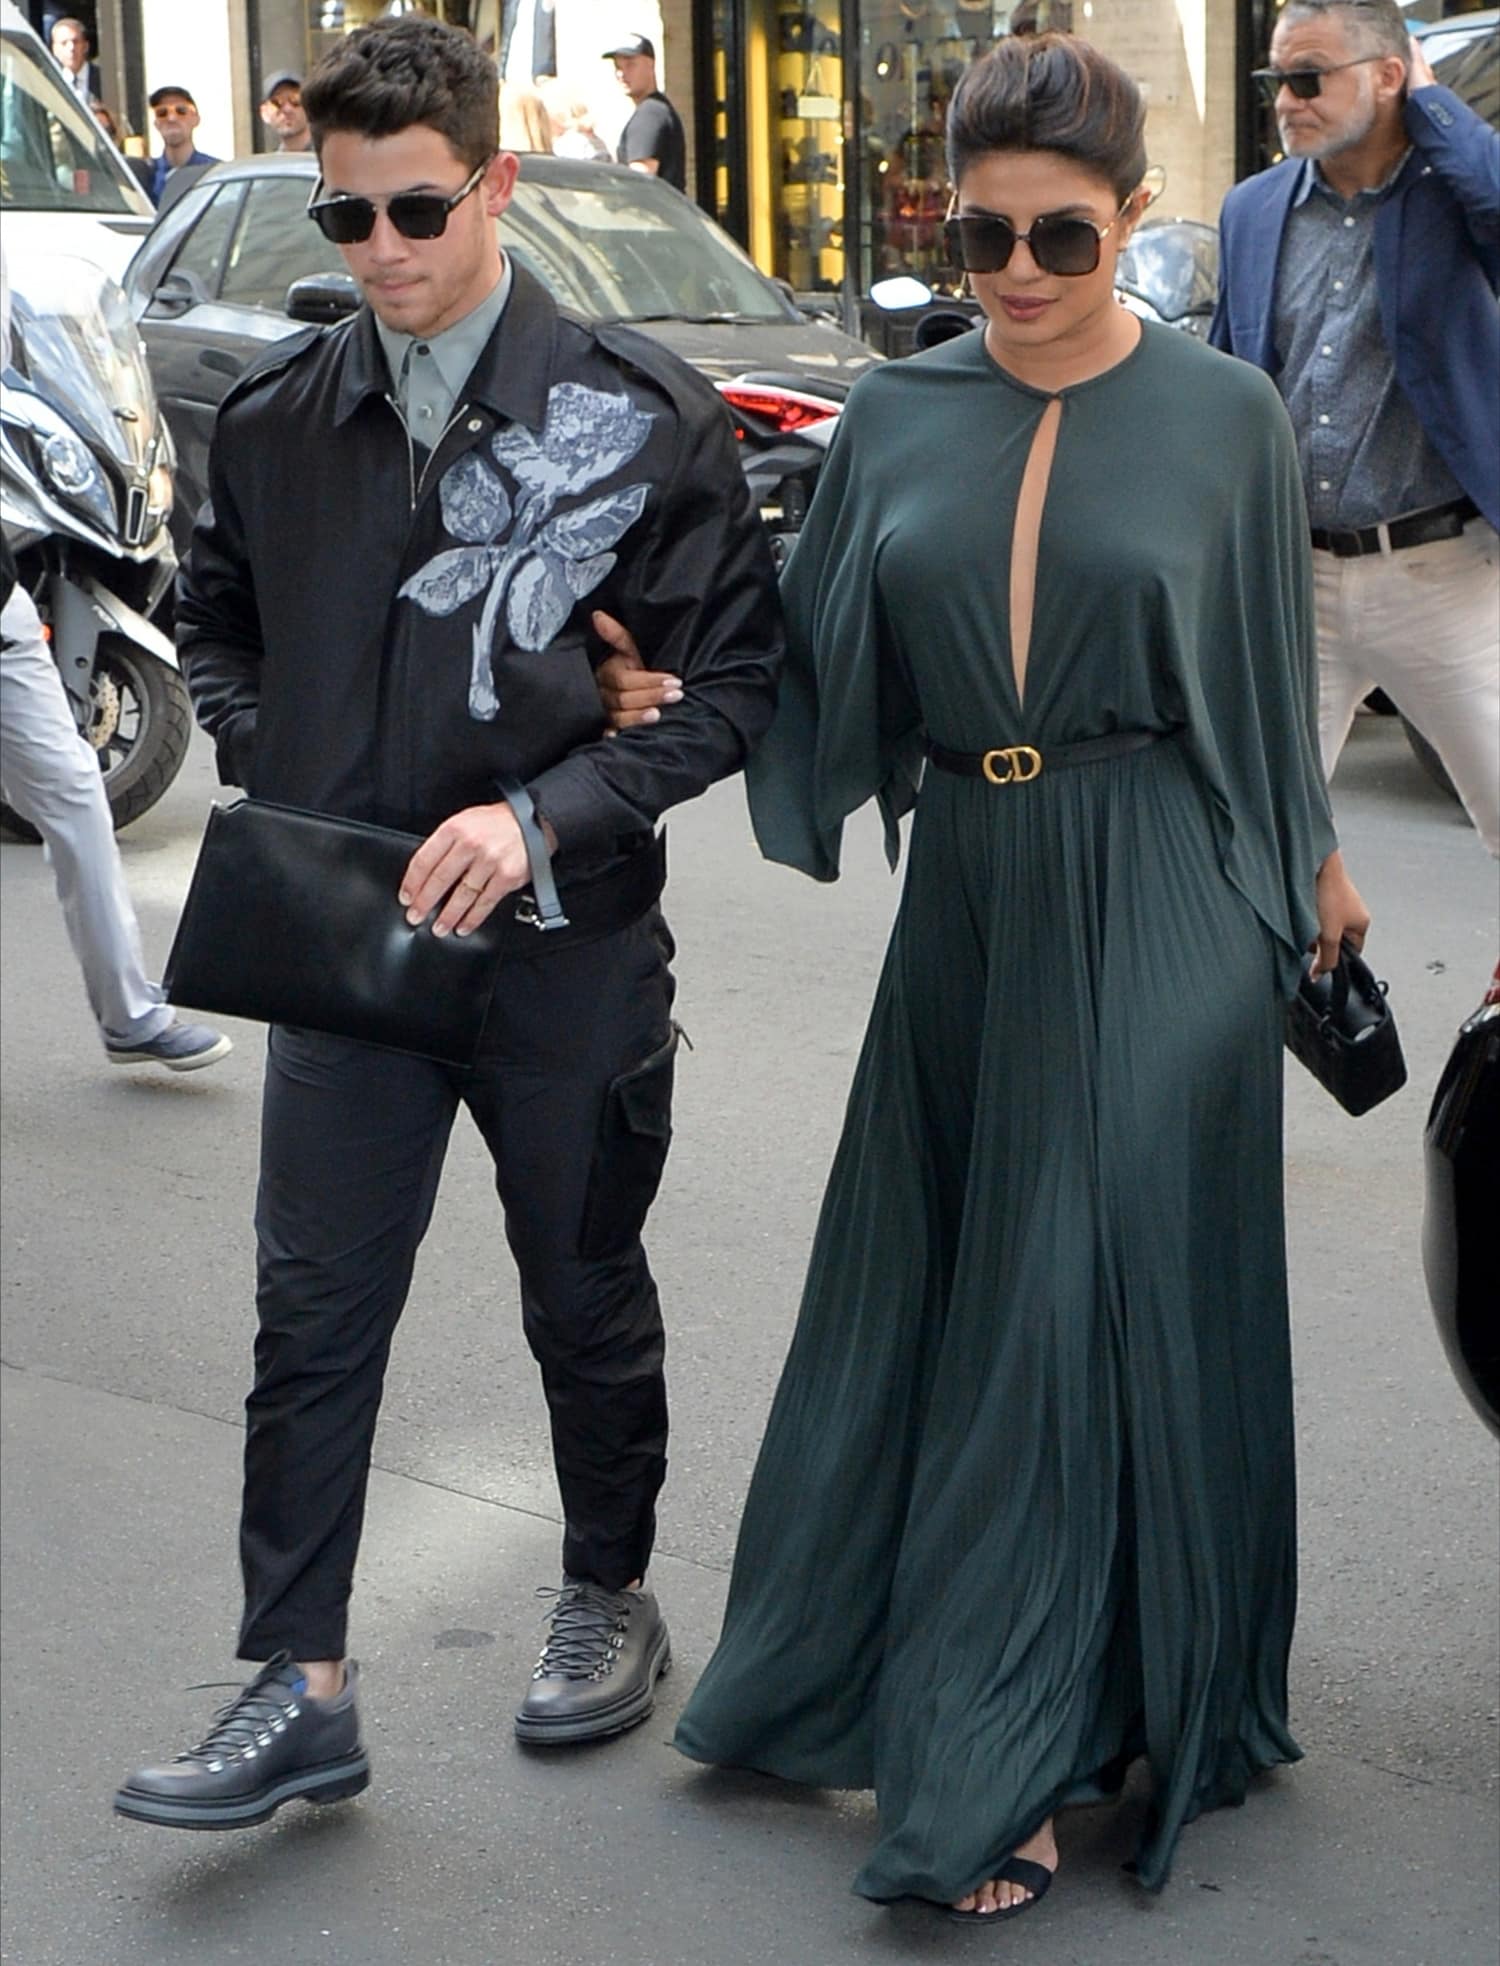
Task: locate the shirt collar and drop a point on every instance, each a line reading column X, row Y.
column 1312, row 179
column 457, row 348
column 510, row 374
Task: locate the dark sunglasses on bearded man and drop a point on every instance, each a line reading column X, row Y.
column 1304, row 83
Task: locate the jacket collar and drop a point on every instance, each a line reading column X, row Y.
column 511, row 377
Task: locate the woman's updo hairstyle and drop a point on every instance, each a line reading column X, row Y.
column 1050, row 92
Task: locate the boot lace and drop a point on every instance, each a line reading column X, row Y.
column 250, row 1721
column 587, row 1634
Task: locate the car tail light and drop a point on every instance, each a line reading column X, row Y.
column 783, row 410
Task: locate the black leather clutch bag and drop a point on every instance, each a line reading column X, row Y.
column 1341, row 1028
column 292, row 918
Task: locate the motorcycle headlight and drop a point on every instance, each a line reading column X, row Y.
column 159, row 494
column 74, row 471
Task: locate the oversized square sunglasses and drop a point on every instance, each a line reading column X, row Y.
column 978, row 242
column 348, row 221
column 1304, row 83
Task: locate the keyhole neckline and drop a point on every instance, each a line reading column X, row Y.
column 1013, row 381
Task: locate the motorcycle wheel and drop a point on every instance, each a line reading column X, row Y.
column 142, row 723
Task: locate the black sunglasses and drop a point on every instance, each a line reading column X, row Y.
column 1304, row 83
column 415, row 214
column 980, row 243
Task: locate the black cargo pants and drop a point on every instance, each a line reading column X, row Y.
column 572, row 1093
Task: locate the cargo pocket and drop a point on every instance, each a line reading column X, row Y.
column 630, row 1152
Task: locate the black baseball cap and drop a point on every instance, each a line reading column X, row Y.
column 170, row 89
column 282, row 79
column 633, row 44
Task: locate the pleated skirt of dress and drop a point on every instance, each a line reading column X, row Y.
column 1025, row 1506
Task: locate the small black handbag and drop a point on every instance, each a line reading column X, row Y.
column 1341, row 1028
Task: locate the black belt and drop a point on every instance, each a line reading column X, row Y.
column 1018, row 764
column 598, row 907
column 1416, row 529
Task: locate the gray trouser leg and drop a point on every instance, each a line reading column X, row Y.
column 50, row 776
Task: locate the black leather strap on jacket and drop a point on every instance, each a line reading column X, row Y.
column 549, row 908
column 602, row 906
column 1018, row 764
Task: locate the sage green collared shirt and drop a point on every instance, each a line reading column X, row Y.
column 427, row 376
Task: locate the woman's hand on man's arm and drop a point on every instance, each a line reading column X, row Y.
column 630, row 692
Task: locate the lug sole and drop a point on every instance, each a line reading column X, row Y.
column 335, row 1781
column 604, row 1722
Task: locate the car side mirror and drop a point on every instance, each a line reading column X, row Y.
column 322, row 297
column 176, row 293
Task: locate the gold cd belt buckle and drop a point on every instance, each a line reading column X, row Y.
column 1012, row 764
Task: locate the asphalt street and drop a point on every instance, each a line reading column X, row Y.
column 127, row 1275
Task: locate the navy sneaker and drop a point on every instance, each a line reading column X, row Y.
column 180, row 1047
column 597, row 1674
column 270, row 1745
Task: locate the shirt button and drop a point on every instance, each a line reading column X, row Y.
column 1327, row 347
column 425, row 409
column 423, row 349
column 1321, row 419
column 1347, row 221
column 1324, row 485
column 1338, row 286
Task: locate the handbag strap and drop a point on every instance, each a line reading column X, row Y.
column 549, row 906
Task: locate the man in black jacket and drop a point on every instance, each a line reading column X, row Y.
column 386, row 614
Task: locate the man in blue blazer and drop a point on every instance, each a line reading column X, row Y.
column 1362, row 274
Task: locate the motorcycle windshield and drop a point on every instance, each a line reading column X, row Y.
column 1174, row 266
column 76, row 343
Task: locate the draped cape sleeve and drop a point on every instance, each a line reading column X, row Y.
column 846, row 728
column 1246, row 663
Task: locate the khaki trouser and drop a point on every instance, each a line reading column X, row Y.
column 1423, row 623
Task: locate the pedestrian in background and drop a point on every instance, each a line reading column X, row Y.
column 1025, row 1507
column 1361, row 274
column 50, row 776
column 524, row 122
column 176, row 117
column 282, row 113
column 437, row 487
column 653, row 140
column 69, row 42
column 573, row 132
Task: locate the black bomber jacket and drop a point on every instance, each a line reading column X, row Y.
column 369, row 634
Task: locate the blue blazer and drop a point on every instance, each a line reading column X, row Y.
column 1437, row 274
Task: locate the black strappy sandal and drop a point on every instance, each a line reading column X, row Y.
column 1035, row 1878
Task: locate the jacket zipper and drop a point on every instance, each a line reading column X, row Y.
column 414, row 482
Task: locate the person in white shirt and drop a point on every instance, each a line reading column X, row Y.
column 70, row 49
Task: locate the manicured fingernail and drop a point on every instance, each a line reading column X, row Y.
column 672, row 696
column 466, row 931
column 404, row 898
column 413, row 915
column 651, row 716
column 438, row 928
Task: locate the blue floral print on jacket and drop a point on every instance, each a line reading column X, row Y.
column 552, row 559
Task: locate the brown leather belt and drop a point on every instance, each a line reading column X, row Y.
column 1018, row 764
column 1416, row 529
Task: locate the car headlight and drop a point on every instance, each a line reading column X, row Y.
column 74, row 471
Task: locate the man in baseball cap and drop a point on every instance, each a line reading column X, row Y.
column 653, row 140
column 282, row 113
column 175, row 115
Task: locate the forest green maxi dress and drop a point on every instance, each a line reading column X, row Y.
column 1025, row 1504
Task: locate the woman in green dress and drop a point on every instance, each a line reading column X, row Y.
column 1025, row 1510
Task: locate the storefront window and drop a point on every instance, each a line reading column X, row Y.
column 912, row 55
column 807, row 108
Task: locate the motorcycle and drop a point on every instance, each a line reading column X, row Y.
column 85, row 492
